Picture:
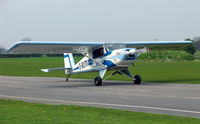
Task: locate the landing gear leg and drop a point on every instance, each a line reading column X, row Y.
column 67, row 77
column 98, row 79
column 136, row 79
column 114, row 73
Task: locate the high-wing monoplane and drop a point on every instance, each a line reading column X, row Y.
column 98, row 56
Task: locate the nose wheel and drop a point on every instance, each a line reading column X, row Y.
column 137, row 79
column 98, row 81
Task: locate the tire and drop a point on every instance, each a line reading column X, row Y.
column 138, row 79
column 98, row 81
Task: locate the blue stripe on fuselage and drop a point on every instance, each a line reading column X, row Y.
column 108, row 63
column 108, row 53
column 89, row 61
column 76, row 68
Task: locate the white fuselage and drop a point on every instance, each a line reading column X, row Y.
column 112, row 60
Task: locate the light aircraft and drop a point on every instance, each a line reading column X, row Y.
column 98, row 56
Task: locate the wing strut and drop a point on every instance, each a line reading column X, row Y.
column 104, row 66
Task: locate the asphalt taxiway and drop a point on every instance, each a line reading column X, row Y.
column 163, row 98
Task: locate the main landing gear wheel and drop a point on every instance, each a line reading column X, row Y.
column 137, row 79
column 98, row 81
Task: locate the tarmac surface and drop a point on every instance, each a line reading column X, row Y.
column 162, row 98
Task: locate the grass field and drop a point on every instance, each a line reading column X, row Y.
column 171, row 72
column 165, row 55
column 17, row 112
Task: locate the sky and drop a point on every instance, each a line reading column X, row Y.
column 98, row 20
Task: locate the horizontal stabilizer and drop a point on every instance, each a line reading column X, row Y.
column 54, row 69
column 45, row 70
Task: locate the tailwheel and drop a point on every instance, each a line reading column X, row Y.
column 137, row 79
column 98, row 81
column 67, row 77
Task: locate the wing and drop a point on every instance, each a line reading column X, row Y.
column 159, row 44
column 30, row 47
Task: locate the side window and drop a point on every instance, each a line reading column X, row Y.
column 98, row 53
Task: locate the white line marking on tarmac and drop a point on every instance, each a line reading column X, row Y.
column 102, row 104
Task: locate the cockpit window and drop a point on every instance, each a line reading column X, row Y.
column 98, row 53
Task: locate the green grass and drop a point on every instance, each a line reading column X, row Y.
column 171, row 72
column 17, row 112
column 163, row 55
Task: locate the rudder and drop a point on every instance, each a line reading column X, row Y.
column 69, row 62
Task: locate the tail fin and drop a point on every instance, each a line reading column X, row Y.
column 69, row 62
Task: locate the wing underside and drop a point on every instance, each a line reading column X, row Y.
column 169, row 45
column 52, row 47
column 55, row 47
